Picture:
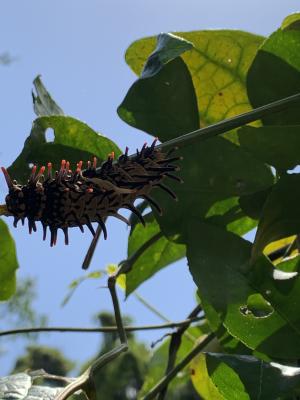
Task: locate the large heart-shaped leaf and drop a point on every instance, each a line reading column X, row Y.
column 213, row 171
column 275, row 72
column 256, row 304
column 225, row 377
column 8, row 263
column 218, row 63
column 74, row 141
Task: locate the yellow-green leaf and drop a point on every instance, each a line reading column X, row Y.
column 218, row 63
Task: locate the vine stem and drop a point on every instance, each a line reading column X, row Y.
column 182, row 364
column 232, row 123
column 174, row 346
column 105, row 329
column 151, row 308
column 85, row 381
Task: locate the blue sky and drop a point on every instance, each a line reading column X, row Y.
column 78, row 47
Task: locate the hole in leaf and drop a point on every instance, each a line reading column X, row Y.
column 49, row 135
column 244, row 310
column 294, row 170
column 273, row 170
column 283, row 276
column 257, row 306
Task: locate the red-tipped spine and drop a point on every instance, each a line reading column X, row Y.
column 7, row 178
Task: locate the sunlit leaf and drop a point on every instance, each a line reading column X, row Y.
column 8, row 263
column 230, row 377
column 218, row 63
column 292, row 21
column 73, row 141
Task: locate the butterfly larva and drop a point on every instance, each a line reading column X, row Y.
column 69, row 199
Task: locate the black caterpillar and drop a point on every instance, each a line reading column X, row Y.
column 73, row 199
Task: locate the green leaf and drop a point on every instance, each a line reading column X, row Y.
column 201, row 380
column 291, row 22
column 281, row 214
column 164, row 104
column 161, row 254
column 74, row 141
column 215, row 173
column 253, row 303
column 275, row 73
column 43, row 104
column 218, row 63
column 76, row 282
column 242, row 378
column 252, row 204
column 8, row 263
column 276, row 145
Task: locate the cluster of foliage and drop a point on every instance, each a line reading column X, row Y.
column 233, row 183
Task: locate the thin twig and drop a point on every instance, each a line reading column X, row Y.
column 161, row 316
column 182, row 364
column 85, row 381
column 174, row 346
column 151, row 308
column 104, row 329
column 41, row 373
column 112, row 289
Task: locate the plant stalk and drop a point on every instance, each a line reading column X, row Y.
column 232, row 123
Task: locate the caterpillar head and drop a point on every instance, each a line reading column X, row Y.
column 24, row 201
